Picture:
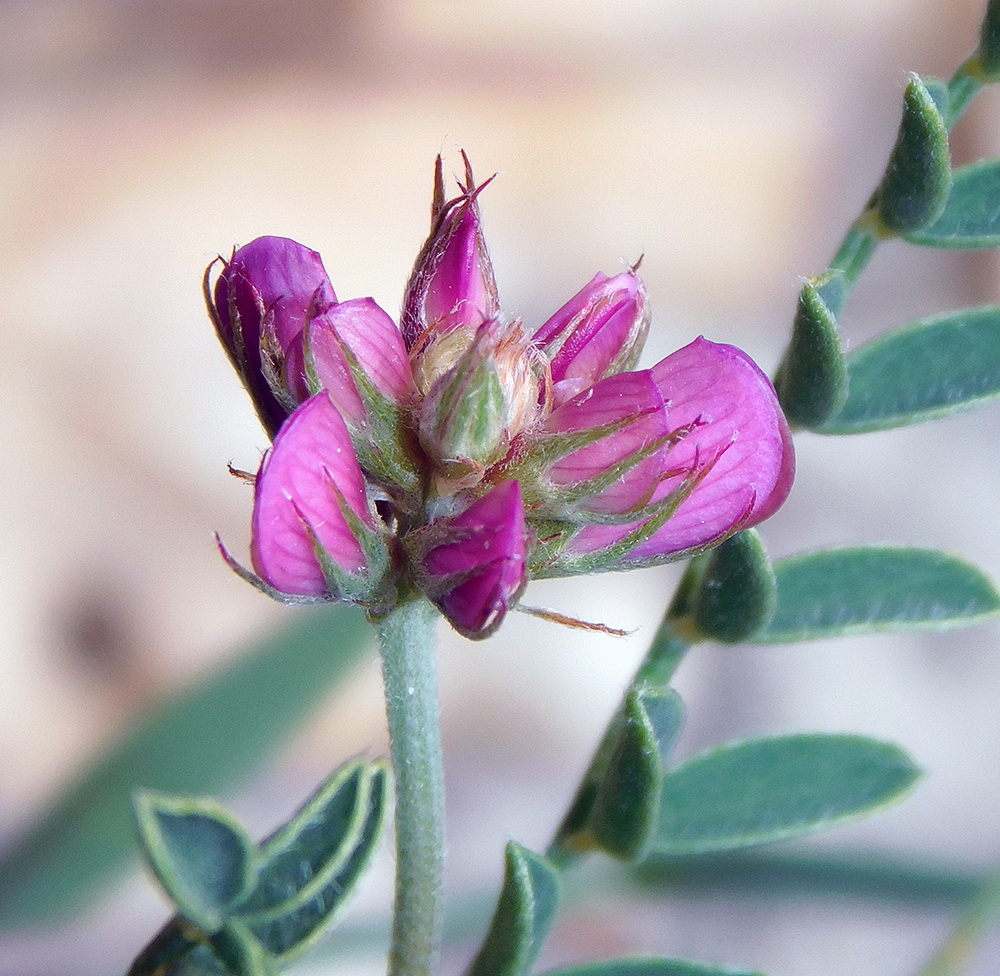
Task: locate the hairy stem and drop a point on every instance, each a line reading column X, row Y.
column 406, row 636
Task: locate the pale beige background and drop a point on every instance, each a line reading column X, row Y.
column 728, row 143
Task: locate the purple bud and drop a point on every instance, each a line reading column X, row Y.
column 261, row 303
column 622, row 464
column 452, row 283
column 478, row 572
column 305, row 481
column 600, row 331
column 737, row 452
column 364, row 331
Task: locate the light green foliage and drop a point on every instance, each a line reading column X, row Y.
column 764, row 790
column 875, row 588
column 248, row 909
column 624, row 815
column 736, row 593
column 934, row 368
column 524, row 915
column 917, row 179
column 204, row 741
column 811, row 382
column 649, row 967
column 971, row 218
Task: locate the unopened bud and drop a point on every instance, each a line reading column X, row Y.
column 600, row 331
column 260, row 305
column 452, row 283
column 474, row 570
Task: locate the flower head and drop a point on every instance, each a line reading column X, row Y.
column 459, row 454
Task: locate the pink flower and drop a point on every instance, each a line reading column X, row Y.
column 460, row 455
column 476, row 570
column 307, row 490
column 732, row 468
column 261, row 303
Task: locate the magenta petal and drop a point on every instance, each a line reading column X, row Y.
column 286, row 277
column 281, row 279
column 373, row 339
column 295, row 498
column 459, row 282
column 626, row 396
column 489, row 546
column 739, row 433
column 598, row 332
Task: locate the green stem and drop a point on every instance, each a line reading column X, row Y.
column 657, row 668
column 982, row 914
column 406, row 636
column 863, row 237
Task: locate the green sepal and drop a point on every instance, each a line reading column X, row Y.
column 462, row 418
column 971, row 218
column 811, row 381
column 988, row 54
column 764, row 790
column 933, row 368
column 650, row 967
column 917, row 180
column 309, row 872
column 736, row 593
column 625, row 811
column 524, row 915
column 201, row 856
column 240, row 953
column 614, row 557
column 874, row 589
column 563, row 503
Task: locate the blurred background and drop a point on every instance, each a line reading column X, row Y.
column 730, row 144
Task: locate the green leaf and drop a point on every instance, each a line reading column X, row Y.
column 199, row 853
column 971, row 218
column 207, row 740
column 649, row 967
column 873, row 589
column 624, row 815
column 240, row 953
column 737, row 593
column 524, row 915
column 989, row 42
column 764, row 790
column 811, row 382
column 917, row 180
column 297, row 907
column 933, row 368
column 318, row 838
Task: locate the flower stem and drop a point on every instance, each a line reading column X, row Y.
column 406, row 636
column 657, row 668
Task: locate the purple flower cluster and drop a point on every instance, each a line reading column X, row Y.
column 460, row 454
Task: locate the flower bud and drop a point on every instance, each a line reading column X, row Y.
column 452, row 283
column 475, row 570
column 462, row 416
column 600, row 331
column 262, row 300
column 311, row 521
column 732, row 468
